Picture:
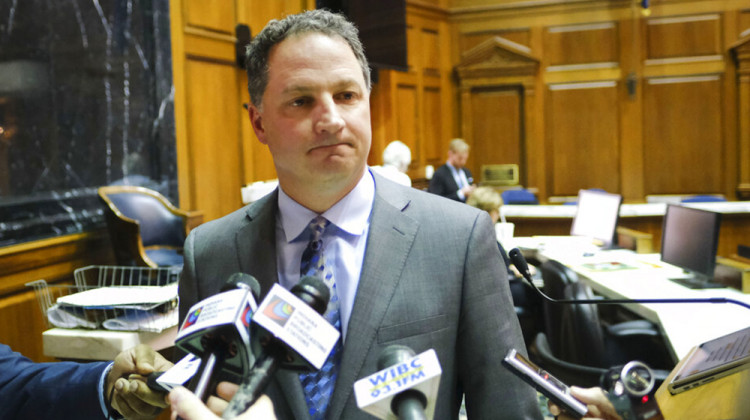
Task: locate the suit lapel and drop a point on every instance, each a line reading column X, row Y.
column 256, row 247
column 389, row 240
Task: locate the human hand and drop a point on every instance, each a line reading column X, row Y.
column 132, row 397
column 189, row 407
column 225, row 392
column 468, row 190
column 598, row 404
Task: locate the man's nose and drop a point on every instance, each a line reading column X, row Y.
column 329, row 118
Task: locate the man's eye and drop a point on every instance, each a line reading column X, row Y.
column 299, row 102
column 347, row 96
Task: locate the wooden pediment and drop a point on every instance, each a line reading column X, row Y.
column 495, row 57
column 741, row 53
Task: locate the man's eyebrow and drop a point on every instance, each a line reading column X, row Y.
column 296, row 89
column 301, row 89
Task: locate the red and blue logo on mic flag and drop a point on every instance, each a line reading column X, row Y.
column 192, row 318
column 278, row 310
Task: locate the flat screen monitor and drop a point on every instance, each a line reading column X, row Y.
column 689, row 240
column 596, row 216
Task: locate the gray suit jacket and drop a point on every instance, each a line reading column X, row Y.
column 432, row 277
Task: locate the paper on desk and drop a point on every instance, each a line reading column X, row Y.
column 141, row 297
column 135, row 320
column 64, row 319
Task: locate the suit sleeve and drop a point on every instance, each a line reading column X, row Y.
column 62, row 390
column 488, row 328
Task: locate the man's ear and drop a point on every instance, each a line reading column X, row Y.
column 256, row 120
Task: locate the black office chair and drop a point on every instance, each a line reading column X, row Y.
column 581, row 339
column 569, row 373
column 144, row 227
column 557, row 277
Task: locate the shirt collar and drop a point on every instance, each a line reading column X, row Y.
column 350, row 214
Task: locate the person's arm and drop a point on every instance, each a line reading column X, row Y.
column 126, row 382
column 61, row 390
column 599, row 405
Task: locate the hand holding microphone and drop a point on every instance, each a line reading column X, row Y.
column 189, row 407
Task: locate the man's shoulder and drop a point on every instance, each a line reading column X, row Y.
column 231, row 222
column 424, row 204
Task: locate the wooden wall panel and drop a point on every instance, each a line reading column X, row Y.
column 433, row 133
column 683, row 36
column 582, row 137
column 577, row 44
column 429, row 46
column 417, row 106
column 496, row 130
column 213, row 15
column 23, row 325
column 214, row 145
column 682, row 135
column 407, row 129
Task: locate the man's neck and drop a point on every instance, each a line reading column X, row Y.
column 321, row 196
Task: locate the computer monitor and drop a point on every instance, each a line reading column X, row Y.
column 597, row 215
column 689, row 240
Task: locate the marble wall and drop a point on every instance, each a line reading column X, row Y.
column 86, row 99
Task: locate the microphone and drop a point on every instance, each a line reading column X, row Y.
column 216, row 329
column 288, row 332
column 520, row 262
column 405, row 385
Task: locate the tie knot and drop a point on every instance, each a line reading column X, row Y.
column 317, row 226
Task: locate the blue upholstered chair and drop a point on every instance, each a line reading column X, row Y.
column 144, row 227
column 521, row 196
column 703, row 199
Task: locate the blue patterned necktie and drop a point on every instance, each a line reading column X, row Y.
column 318, row 386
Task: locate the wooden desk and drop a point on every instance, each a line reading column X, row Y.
column 724, row 398
column 683, row 325
column 647, row 217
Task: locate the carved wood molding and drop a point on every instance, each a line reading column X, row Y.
column 497, row 57
column 741, row 52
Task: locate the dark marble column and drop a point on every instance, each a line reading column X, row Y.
column 86, row 100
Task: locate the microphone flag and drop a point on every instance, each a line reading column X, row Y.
column 422, row 372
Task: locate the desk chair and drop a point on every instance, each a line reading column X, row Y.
column 144, row 227
column 557, row 277
column 575, row 334
column 521, row 196
column 704, row 199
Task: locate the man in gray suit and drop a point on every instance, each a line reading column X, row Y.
column 410, row 267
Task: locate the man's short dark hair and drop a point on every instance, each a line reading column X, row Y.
column 312, row 21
